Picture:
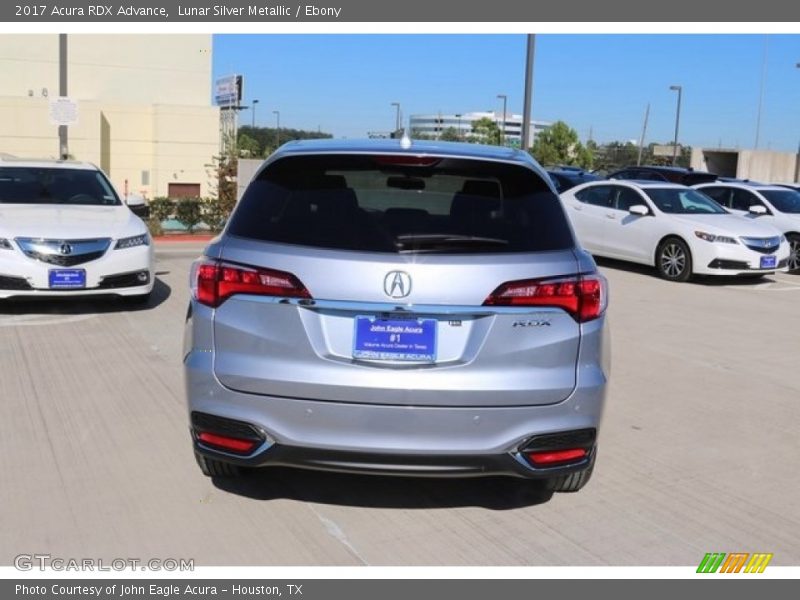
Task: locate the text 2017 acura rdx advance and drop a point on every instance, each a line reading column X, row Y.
column 398, row 308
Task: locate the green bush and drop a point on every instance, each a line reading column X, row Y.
column 188, row 212
column 154, row 225
column 213, row 214
column 162, row 208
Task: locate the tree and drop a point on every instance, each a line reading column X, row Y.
column 450, row 135
column 248, row 147
column 486, row 131
column 559, row 145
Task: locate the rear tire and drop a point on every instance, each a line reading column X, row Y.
column 794, row 253
column 216, row 468
column 674, row 260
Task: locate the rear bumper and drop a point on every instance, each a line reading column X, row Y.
column 390, row 439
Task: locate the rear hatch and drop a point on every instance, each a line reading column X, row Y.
column 395, row 279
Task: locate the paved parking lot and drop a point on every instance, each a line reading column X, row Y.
column 699, row 450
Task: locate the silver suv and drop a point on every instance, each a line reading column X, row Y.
column 398, row 308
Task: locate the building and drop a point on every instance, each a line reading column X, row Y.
column 433, row 125
column 757, row 165
column 143, row 102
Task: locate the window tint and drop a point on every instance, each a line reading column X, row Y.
column 28, row 185
column 627, row 197
column 785, row 201
column 683, row 201
column 601, row 195
column 388, row 204
column 743, row 200
column 719, row 194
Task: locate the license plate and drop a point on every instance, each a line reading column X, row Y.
column 65, row 279
column 395, row 339
column 769, row 262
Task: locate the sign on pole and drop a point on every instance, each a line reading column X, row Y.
column 63, row 111
column 228, row 90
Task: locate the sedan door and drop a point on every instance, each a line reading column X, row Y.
column 587, row 210
column 628, row 236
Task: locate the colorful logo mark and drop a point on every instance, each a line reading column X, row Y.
column 735, row 562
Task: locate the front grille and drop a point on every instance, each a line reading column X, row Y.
column 65, row 261
column 734, row 265
column 14, row 283
column 124, row 280
column 63, row 253
column 762, row 245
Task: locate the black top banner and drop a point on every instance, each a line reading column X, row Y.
column 441, row 11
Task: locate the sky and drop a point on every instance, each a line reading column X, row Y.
column 344, row 84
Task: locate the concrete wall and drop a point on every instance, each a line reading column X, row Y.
column 144, row 105
column 247, row 168
column 758, row 165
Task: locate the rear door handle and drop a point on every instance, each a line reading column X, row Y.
column 577, row 207
column 611, row 216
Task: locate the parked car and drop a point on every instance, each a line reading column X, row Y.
column 65, row 232
column 677, row 229
column 138, row 206
column 775, row 205
column 387, row 307
column 791, row 186
column 564, row 178
column 659, row 173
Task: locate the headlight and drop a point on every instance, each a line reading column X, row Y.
column 5, row 244
column 710, row 237
column 130, row 242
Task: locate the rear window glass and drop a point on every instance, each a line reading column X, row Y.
column 387, row 203
column 30, row 185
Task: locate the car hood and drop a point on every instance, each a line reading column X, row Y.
column 67, row 222
column 728, row 224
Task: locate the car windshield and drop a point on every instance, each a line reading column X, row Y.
column 682, row 201
column 402, row 204
column 33, row 185
column 785, row 201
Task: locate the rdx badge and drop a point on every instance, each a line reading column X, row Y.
column 532, row 323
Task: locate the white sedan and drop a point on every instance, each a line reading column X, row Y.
column 64, row 232
column 677, row 229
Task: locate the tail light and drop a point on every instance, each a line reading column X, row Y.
column 555, row 457
column 224, row 442
column 585, row 297
column 216, row 282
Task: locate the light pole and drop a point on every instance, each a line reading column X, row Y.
column 253, row 126
column 797, row 160
column 277, row 113
column 458, row 116
column 679, row 89
column 397, row 117
column 503, row 130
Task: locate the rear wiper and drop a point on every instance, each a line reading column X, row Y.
column 405, row 242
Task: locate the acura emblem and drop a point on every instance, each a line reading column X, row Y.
column 397, row 284
column 65, row 249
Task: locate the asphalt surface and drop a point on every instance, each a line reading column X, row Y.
column 698, row 451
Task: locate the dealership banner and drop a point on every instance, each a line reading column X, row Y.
column 442, row 11
column 352, row 589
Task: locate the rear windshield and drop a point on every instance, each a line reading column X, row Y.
column 787, row 202
column 402, row 204
column 29, row 185
column 683, row 201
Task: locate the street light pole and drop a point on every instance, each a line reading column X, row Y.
column 63, row 135
column 797, row 160
column 458, row 116
column 527, row 137
column 503, row 131
column 397, row 117
column 679, row 89
column 277, row 113
column 254, row 114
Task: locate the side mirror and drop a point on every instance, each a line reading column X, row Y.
column 757, row 209
column 639, row 210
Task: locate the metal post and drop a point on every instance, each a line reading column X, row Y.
column 797, row 160
column 253, row 126
column 397, row 117
column 63, row 137
column 679, row 89
column 644, row 132
column 278, row 129
column 526, row 111
column 761, row 91
column 503, row 132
